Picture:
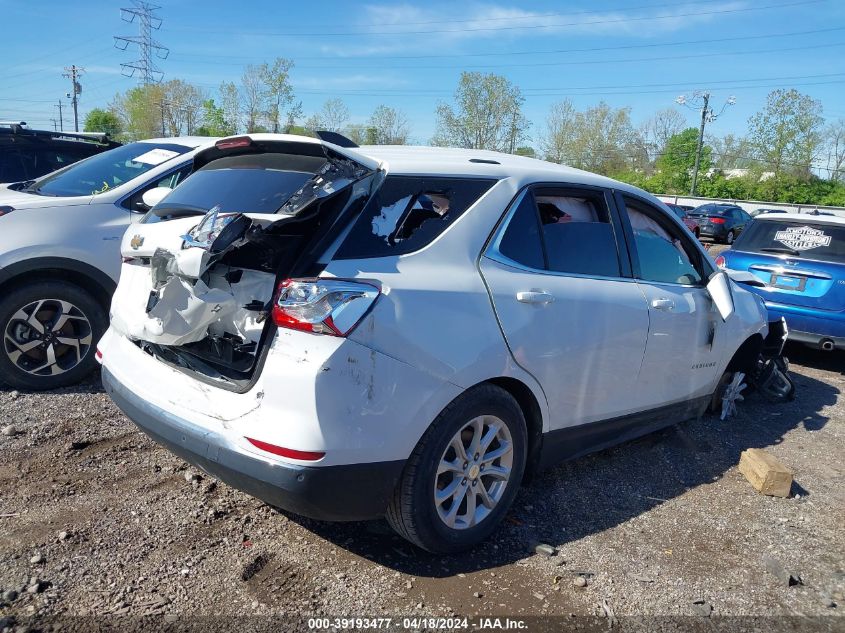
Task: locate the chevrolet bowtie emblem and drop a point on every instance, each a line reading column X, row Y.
column 137, row 242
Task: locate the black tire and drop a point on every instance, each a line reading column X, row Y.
column 73, row 366
column 729, row 238
column 412, row 511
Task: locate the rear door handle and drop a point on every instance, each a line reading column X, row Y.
column 663, row 304
column 534, row 296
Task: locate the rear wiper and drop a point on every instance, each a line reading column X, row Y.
column 780, row 249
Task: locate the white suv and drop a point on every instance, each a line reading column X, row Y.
column 409, row 332
column 59, row 256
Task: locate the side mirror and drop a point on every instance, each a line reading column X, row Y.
column 719, row 287
column 155, row 195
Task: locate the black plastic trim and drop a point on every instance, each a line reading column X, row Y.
column 576, row 441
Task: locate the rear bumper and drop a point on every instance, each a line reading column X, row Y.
column 716, row 231
column 812, row 327
column 349, row 492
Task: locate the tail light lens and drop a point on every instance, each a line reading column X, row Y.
column 322, row 306
column 720, row 261
column 717, row 220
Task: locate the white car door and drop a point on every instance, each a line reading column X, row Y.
column 687, row 336
column 571, row 313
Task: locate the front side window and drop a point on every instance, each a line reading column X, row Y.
column 562, row 231
column 665, row 255
column 408, row 212
column 107, row 170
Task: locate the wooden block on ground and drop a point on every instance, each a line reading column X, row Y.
column 765, row 473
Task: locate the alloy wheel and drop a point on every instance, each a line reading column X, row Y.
column 473, row 472
column 47, row 337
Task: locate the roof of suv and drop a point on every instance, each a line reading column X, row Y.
column 421, row 159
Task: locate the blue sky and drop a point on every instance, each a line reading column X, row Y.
column 637, row 53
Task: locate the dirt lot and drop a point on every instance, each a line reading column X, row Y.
column 108, row 523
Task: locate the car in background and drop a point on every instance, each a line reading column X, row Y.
column 60, row 259
column 681, row 211
column 26, row 154
column 720, row 222
column 760, row 211
column 801, row 259
column 357, row 332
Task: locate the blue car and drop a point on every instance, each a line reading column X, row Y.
column 801, row 259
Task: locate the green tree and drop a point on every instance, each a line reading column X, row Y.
column 172, row 108
column 487, row 114
column 676, row 163
column 99, row 120
column 214, row 121
column 787, row 132
column 387, row 126
column 278, row 90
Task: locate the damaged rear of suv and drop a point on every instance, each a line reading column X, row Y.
column 197, row 290
column 352, row 333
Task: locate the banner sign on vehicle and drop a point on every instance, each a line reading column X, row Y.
column 802, row 238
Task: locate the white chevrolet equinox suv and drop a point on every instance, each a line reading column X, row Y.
column 59, row 256
column 350, row 333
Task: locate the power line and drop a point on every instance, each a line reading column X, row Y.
column 672, row 16
column 147, row 23
column 587, row 62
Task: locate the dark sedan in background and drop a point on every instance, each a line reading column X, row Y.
column 682, row 211
column 720, row 222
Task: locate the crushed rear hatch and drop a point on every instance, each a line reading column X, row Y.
column 201, row 269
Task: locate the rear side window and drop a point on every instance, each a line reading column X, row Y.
column 563, row 231
column 407, row 213
column 521, row 240
column 820, row 241
column 578, row 233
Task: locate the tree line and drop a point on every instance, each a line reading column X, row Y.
column 788, row 153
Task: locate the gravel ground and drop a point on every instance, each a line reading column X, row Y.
column 95, row 519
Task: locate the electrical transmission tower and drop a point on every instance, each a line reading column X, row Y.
column 147, row 23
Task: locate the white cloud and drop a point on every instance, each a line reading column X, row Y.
column 480, row 21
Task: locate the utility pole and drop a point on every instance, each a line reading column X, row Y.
column 702, row 99
column 704, row 109
column 61, row 119
column 147, row 23
column 55, row 125
column 163, row 132
column 73, row 73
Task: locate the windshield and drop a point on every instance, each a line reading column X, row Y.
column 107, row 170
column 819, row 241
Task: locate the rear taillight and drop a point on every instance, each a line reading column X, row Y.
column 720, row 261
column 717, row 220
column 322, row 306
column 5, row 209
column 309, row 456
